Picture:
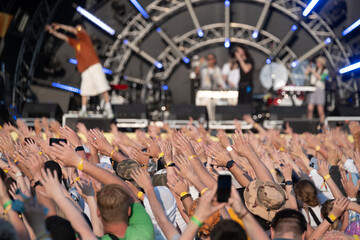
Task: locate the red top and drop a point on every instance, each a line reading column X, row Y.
column 84, row 50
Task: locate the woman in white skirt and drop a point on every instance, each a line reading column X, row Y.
column 317, row 76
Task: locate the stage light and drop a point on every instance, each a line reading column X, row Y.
column 140, row 8
column 294, row 27
column 158, row 30
column 105, row 70
column 186, row 60
column 284, row 41
column 351, row 27
column 158, row 65
column 268, row 61
column 327, row 40
column 125, row 41
column 227, row 43
column 65, row 87
column 227, row 3
column 349, row 68
column 309, row 7
column 95, row 20
column 294, row 63
column 200, row 32
column 165, row 87
column 255, row 34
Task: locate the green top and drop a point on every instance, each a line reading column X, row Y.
column 140, row 225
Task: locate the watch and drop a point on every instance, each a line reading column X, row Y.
column 79, row 148
column 229, row 148
column 230, row 164
column 289, row 183
column 37, row 183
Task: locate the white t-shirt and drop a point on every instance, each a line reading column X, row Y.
column 233, row 75
column 210, row 76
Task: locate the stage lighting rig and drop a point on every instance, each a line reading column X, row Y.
column 194, row 18
column 227, row 24
column 350, row 68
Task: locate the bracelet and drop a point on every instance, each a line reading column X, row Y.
column 332, row 217
column 273, row 171
column 229, row 148
column 7, row 204
column 170, row 164
column 317, row 148
column 195, row 220
column 191, row 157
column 15, row 161
column 203, row 191
column 282, row 148
column 40, row 153
column 160, row 155
column 79, row 148
column 256, row 125
column 352, row 199
column 6, row 171
column 329, row 220
column 139, row 195
column 199, row 140
column 185, row 196
column 19, row 174
column 111, row 154
column 326, row 177
column 37, row 183
column 80, row 165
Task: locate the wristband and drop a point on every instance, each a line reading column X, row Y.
column 353, row 199
column 317, row 148
column 203, row 191
column 191, row 157
column 256, row 125
column 15, row 161
column 79, row 148
column 332, row 217
column 19, row 174
column 329, row 220
column 229, row 148
column 185, row 196
column 7, row 204
column 139, row 195
column 6, row 171
column 80, row 165
column 273, row 171
column 170, row 164
column 230, row 164
column 112, row 153
column 161, row 155
column 37, row 183
column 40, row 153
column 289, row 183
column 195, row 220
column 282, row 148
column 199, row 140
column 326, row 177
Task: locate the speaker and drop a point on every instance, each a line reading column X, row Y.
column 303, row 125
column 279, row 113
column 135, row 110
column 52, row 95
column 101, row 123
column 38, row 110
column 183, row 112
column 232, row 112
column 349, row 111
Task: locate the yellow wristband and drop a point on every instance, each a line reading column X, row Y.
column 199, row 139
column 183, row 194
column 326, row 177
column 111, row 154
column 161, row 155
column 282, row 149
column 169, row 164
column 332, row 217
column 191, row 157
column 273, row 170
column 80, row 165
column 40, row 153
column 256, row 125
column 203, row 191
column 317, row 148
column 6, row 171
column 139, row 195
column 76, row 179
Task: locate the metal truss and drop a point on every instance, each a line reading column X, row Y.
column 159, row 10
column 30, row 47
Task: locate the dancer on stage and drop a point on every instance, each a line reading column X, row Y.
column 317, row 76
column 93, row 80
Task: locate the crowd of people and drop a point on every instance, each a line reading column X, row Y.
column 163, row 183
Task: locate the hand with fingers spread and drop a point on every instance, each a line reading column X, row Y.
column 85, row 189
column 70, row 135
column 81, row 128
column 100, row 142
column 166, row 148
column 333, row 157
column 223, row 138
column 349, row 187
column 65, row 154
column 242, row 144
column 182, row 143
column 51, row 184
column 219, row 154
column 32, row 146
column 340, row 206
column 139, row 156
column 177, row 184
column 268, row 162
column 194, row 133
column 296, row 149
column 185, row 169
column 35, row 164
column 153, row 149
column 141, row 137
column 142, row 178
column 323, row 168
column 286, row 170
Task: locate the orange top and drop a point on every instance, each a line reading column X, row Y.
column 84, row 50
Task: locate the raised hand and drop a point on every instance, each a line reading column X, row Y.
column 65, row 154
column 218, row 153
column 142, row 178
column 138, row 156
column 236, row 203
column 340, row 206
column 85, row 189
column 349, row 187
column 153, row 149
column 70, row 135
column 242, row 144
column 166, row 148
column 100, row 142
column 185, row 169
column 223, row 138
column 182, row 143
column 51, row 184
column 286, row 170
column 177, row 184
column 333, row 156
column 323, row 168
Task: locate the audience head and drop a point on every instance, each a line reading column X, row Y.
column 229, row 230
column 305, row 191
column 326, row 209
column 113, row 204
column 211, row 60
column 289, row 224
column 7, row 230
